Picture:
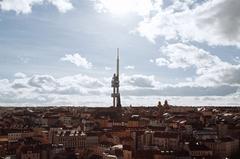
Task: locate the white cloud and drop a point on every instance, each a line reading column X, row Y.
column 159, row 25
column 138, row 80
column 46, row 89
column 129, row 67
column 62, row 5
column 19, row 6
column 19, row 75
column 107, row 68
column 161, row 62
column 237, row 60
column 78, row 60
column 85, row 90
column 210, row 69
column 25, row 6
column 81, row 80
column 181, row 55
column 214, row 22
column 43, row 83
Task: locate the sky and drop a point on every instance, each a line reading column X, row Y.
column 63, row 52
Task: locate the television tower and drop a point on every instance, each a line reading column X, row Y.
column 115, row 84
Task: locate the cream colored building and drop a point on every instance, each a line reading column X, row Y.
column 166, row 140
column 224, row 147
column 70, row 138
column 15, row 136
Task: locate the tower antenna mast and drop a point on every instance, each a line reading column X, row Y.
column 115, row 84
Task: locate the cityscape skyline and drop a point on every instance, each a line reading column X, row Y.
column 62, row 52
column 119, row 79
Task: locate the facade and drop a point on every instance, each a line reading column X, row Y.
column 199, row 150
column 167, row 140
column 91, row 140
column 29, row 152
column 70, row 138
column 224, row 147
column 127, row 152
column 66, row 120
column 15, row 136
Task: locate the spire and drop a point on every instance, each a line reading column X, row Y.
column 117, row 62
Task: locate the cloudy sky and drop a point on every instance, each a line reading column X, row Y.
column 62, row 52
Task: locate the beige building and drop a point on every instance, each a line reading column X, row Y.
column 127, row 152
column 224, row 147
column 70, row 138
column 15, row 136
column 66, row 120
column 166, row 140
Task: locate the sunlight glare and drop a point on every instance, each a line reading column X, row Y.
column 123, row 7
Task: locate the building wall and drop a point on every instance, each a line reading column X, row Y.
column 167, row 143
column 14, row 137
column 159, row 156
column 133, row 123
column 127, row 154
column 201, row 153
column 91, row 141
column 70, row 141
column 30, row 155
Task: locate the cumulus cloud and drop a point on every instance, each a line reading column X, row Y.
column 85, row 90
column 180, row 55
column 81, row 80
column 18, row 86
column 210, row 69
column 62, row 5
column 161, row 61
column 129, row 67
column 46, row 89
column 214, row 22
column 19, row 75
column 25, row 6
column 138, row 80
column 107, row 68
column 22, row 6
column 43, row 83
column 78, row 60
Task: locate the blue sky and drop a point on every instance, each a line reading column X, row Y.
column 62, row 52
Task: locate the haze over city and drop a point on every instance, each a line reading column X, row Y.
column 63, row 52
